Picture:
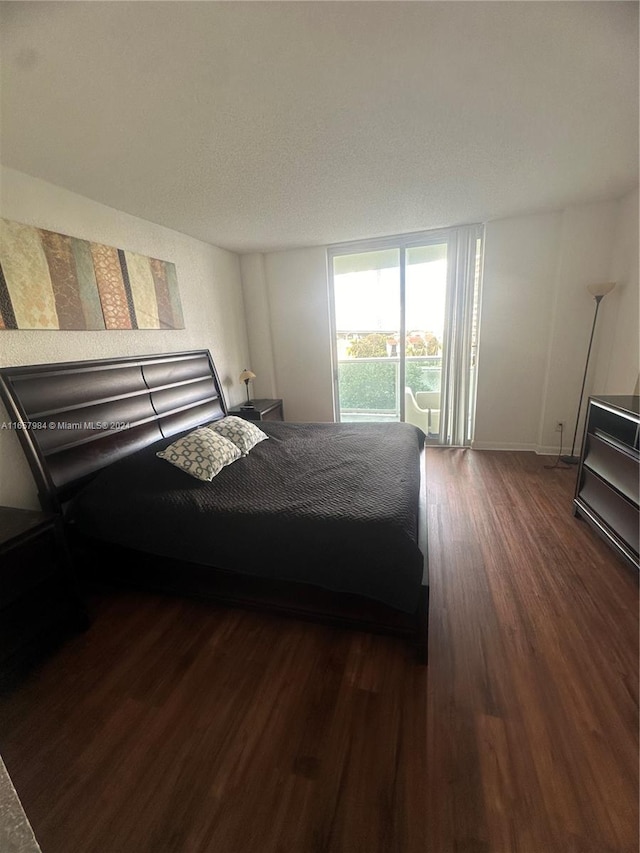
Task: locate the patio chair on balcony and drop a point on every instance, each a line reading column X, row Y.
column 413, row 413
column 424, row 415
column 430, row 400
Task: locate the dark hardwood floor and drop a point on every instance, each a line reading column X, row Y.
column 174, row 726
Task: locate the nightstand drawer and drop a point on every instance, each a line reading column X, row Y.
column 261, row 410
column 274, row 414
column 23, row 568
column 33, row 616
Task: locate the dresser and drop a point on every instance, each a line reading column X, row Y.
column 609, row 473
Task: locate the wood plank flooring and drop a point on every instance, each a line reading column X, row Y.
column 175, row 726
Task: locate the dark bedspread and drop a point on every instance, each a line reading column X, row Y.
column 334, row 505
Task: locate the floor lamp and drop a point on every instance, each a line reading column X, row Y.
column 598, row 291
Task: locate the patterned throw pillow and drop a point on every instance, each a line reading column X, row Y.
column 243, row 434
column 202, row 453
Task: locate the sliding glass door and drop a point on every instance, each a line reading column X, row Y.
column 368, row 314
column 425, row 300
column 396, row 326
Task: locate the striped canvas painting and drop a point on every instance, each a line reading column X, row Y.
column 53, row 281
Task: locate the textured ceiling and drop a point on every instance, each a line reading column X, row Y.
column 258, row 126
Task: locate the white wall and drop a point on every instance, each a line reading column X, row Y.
column 210, row 291
column 585, row 250
column 618, row 362
column 537, row 317
column 520, row 259
column 292, row 288
column 258, row 317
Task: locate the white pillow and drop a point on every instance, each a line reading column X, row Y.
column 201, row 453
column 244, row 434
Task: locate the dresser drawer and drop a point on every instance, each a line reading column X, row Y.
column 617, row 467
column 617, row 512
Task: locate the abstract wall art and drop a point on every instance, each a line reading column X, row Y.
column 53, row 281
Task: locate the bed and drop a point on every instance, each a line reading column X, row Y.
column 322, row 521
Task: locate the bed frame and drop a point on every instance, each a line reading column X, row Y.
column 75, row 418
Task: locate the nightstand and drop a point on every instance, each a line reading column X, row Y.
column 263, row 410
column 38, row 601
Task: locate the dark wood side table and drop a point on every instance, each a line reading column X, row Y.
column 39, row 603
column 263, row 410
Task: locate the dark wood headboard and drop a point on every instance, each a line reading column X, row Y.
column 74, row 418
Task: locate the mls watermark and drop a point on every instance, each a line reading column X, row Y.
column 64, row 425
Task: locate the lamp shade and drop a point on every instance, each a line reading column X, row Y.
column 601, row 289
column 247, row 375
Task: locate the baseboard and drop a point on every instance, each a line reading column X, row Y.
column 544, row 450
column 501, row 445
column 549, row 451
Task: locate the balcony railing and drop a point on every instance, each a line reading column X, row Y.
column 369, row 388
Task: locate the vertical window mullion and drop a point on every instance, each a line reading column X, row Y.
column 403, row 334
column 335, row 391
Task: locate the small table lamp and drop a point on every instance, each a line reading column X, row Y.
column 246, row 376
